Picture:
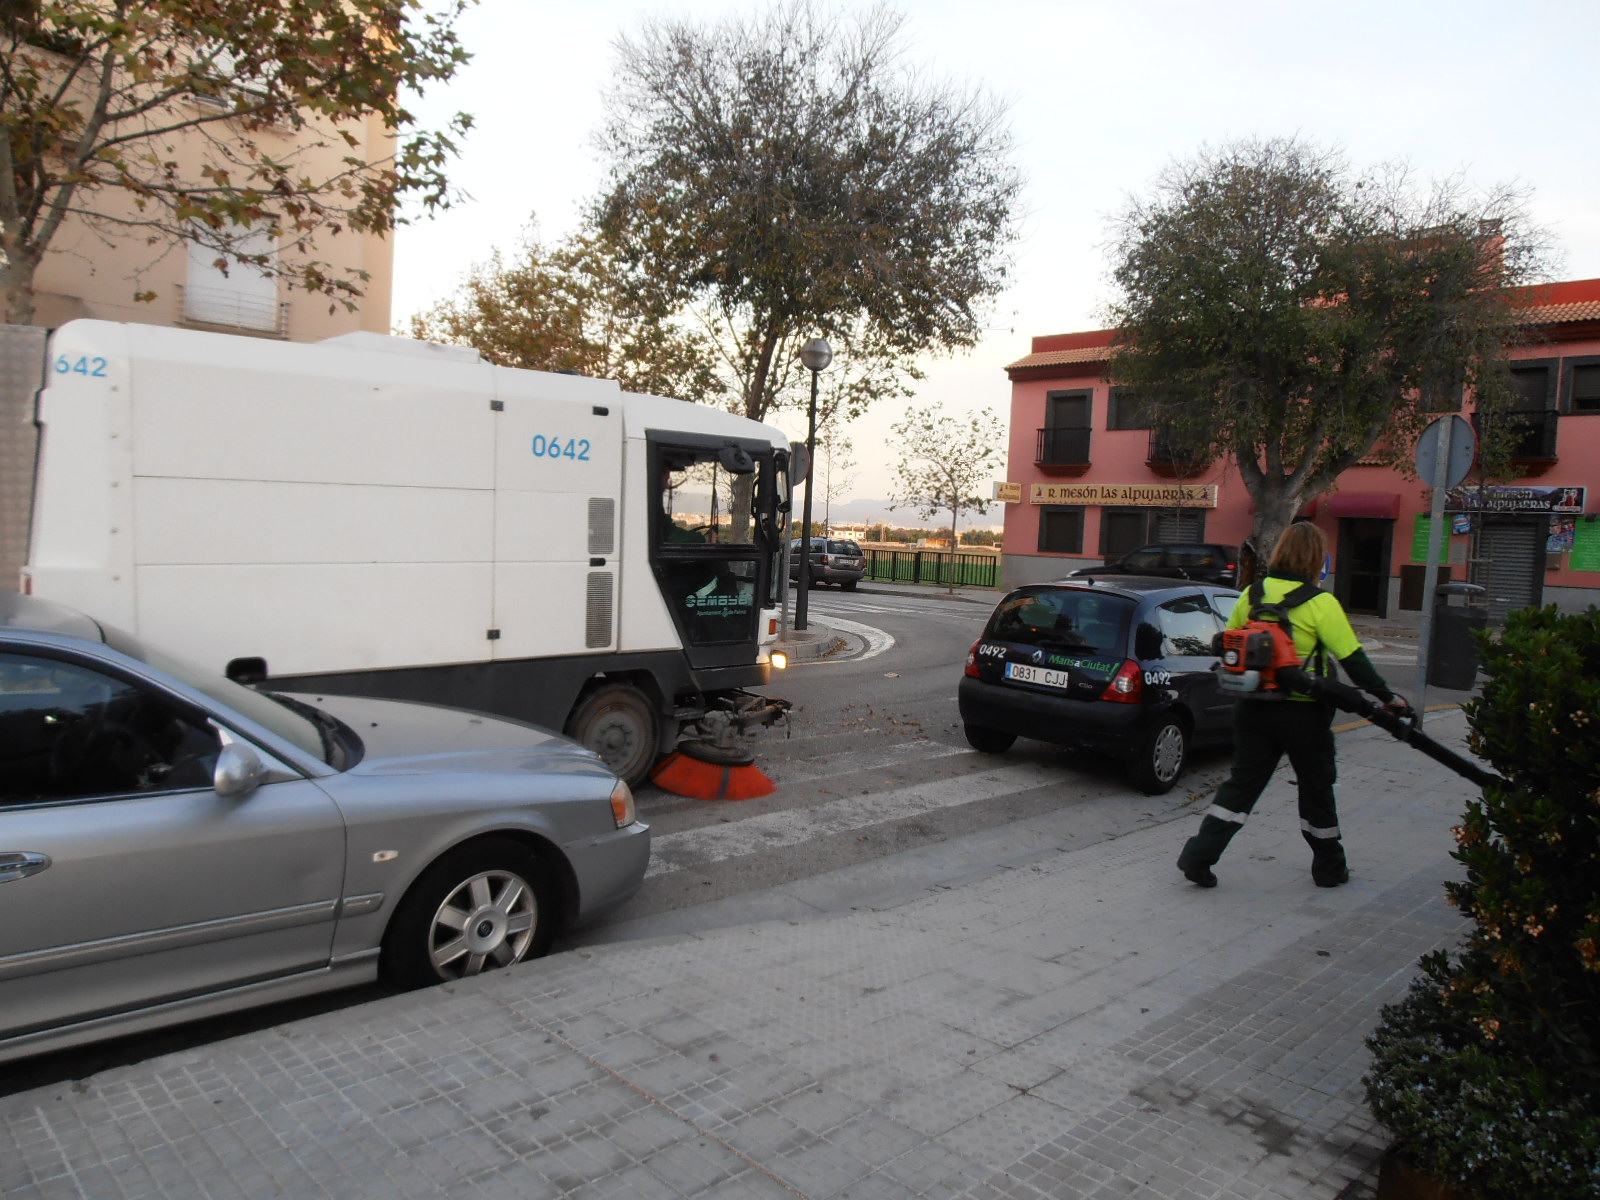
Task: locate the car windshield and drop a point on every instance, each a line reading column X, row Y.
column 1072, row 618
column 296, row 727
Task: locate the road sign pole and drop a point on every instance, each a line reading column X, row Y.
column 1443, row 457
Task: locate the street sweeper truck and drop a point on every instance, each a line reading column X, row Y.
column 379, row 516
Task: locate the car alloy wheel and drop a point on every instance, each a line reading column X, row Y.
column 481, row 907
column 1158, row 759
column 486, row 922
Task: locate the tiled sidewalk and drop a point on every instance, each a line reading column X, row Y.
column 1082, row 1023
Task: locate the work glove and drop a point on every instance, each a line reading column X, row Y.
column 1400, row 707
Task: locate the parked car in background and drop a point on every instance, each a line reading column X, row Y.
column 1122, row 666
column 1205, row 562
column 174, row 844
column 833, row 560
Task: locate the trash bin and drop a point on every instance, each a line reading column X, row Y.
column 1459, row 609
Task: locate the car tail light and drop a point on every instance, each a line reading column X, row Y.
column 823, row 559
column 1126, row 686
column 972, row 660
column 622, row 810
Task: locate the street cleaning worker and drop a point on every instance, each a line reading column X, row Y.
column 1267, row 726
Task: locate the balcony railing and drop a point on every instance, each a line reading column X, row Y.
column 1062, row 450
column 218, row 308
column 1166, row 457
column 1532, row 434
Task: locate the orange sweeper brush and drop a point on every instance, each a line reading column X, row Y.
column 730, row 777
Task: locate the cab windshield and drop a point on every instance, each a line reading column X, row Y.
column 716, row 537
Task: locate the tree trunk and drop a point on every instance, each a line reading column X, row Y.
column 16, row 281
column 1275, row 510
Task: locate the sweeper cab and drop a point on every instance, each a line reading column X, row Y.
column 385, row 517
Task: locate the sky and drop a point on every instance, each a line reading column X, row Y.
column 1103, row 96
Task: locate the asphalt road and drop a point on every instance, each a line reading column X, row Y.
column 874, row 769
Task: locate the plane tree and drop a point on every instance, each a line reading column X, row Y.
column 791, row 174
column 240, row 125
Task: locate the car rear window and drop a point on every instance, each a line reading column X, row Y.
column 1067, row 618
column 844, row 548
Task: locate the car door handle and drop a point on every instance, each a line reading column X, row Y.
column 19, row 864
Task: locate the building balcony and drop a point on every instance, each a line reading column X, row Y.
column 1533, row 434
column 219, row 309
column 1165, row 457
column 1062, row 450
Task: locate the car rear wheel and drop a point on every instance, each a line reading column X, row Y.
column 988, row 741
column 481, row 907
column 1158, row 757
column 849, row 585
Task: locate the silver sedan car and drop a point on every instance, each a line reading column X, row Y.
column 174, row 844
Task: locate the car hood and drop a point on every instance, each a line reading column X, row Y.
column 403, row 736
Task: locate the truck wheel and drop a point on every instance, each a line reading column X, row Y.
column 988, row 741
column 618, row 724
column 482, row 906
column 1158, row 757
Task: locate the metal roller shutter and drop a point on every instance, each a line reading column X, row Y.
column 1510, row 565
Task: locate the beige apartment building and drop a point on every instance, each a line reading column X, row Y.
column 85, row 275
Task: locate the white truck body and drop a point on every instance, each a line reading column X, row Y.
column 386, row 516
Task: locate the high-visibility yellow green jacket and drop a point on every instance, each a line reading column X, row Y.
column 1320, row 630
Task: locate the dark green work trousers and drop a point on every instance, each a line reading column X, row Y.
column 1264, row 731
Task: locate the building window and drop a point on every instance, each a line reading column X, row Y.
column 1064, row 440
column 1061, row 529
column 1581, row 385
column 1122, row 530
column 1533, row 382
column 1126, row 411
column 1529, row 425
column 246, row 297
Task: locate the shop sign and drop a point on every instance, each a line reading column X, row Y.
column 1515, row 499
column 1138, row 495
column 1008, row 493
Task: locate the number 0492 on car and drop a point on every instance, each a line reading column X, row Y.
column 1023, row 673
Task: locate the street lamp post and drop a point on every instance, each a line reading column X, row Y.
column 815, row 355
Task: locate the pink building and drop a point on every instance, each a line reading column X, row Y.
column 1087, row 480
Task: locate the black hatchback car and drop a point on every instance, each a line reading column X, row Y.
column 1204, row 562
column 1118, row 665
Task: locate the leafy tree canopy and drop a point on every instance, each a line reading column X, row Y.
column 178, row 120
column 575, row 307
column 1280, row 309
column 794, row 174
column 946, row 463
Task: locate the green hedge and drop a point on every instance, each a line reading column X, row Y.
column 1488, row 1071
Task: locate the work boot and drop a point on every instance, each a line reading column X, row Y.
column 1200, row 876
column 1330, row 874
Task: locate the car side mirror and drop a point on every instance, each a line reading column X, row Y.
column 239, row 769
column 1146, row 642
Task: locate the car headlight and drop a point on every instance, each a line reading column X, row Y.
column 622, row 810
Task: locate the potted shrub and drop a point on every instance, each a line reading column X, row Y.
column 1487, row 1072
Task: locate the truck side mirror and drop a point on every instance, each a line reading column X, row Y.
column 736, row 460
column 247, row 671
